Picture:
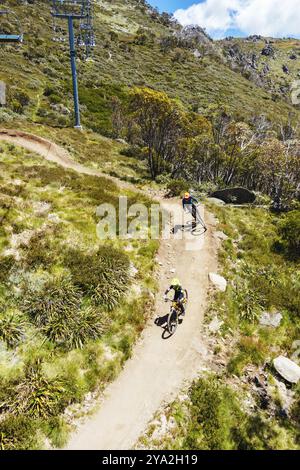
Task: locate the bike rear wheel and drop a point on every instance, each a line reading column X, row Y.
column 172, row 321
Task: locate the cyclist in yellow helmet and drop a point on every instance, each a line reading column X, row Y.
column 179, row 294
column 189, row 203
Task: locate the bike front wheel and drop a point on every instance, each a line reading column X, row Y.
column 172, row 321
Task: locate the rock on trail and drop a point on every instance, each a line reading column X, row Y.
column 218, row 281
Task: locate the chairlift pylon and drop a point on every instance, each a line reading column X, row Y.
column 73, row 10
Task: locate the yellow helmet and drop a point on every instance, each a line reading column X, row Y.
column 175, row 282
column 186, row 195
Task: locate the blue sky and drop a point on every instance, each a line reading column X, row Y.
column 276, row 18
column 172, row 5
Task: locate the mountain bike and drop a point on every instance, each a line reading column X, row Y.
column 199, row 220
column 175, row 312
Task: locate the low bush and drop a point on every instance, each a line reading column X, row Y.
column 248, row 301
column 177, row 187
column 250, row 351
column 216, row 421
column 133, row 151
column 18, row 433
column 58, row 310
column 19, row 99
column 12, row 328
column 58, row 298
column 213, row 414
column 35, row 395
column 103, row 275
column 6, row 264
column 73, row 331
column 289, row 230
column 41, row 249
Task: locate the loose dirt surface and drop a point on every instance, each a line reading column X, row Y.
column 160, row 365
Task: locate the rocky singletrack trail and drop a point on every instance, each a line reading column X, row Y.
column 159, row 366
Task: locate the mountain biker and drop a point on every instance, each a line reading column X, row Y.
column 189, row 203
column 179, row 295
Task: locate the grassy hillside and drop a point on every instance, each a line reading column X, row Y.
column 128, row 53
column 64, row 331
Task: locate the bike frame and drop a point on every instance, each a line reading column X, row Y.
column 175, row 308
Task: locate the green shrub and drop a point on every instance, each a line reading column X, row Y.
column 248, row 301
column 103, row 275
column 98, row 103
column 73, row 331
column 23, row 98
column 213, row 411
column 37, row 396
column 216, row 421
column 41, row 250
column 250, row 351
column 6, row 264
column 295, row 411
column 49, row 90
column 289, row 230
column 58, row 311
column 133, row 151
column 56, row 431
column 19, row 99
column 55, row 99
column 18, row 433
column 58, row 298
column 126, row 346
column 12, row 326
column 176, row 187
column 289, row 290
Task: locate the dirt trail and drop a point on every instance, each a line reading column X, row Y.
column 159, row 367
column 53, row 153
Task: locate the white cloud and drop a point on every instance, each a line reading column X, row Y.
column 266, row 17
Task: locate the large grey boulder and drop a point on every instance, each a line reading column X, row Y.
column 285, row 69
column 268, row 51
column 288, row 369
column 215, row 325
column 235, row 195
column 218, row 281
column 221, row 236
